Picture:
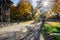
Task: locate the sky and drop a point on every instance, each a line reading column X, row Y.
column 15, row 2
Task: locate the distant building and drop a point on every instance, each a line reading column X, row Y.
column 5, row 10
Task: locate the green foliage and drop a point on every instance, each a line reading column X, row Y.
column 50, row 29
column 47, row 29
column 56, row 38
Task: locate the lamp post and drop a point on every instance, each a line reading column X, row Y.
column 43, row 10
column 46, row 5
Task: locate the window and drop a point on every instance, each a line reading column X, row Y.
column 0, row 8
column 3, row 1
column 0, row 5
column 6, row 7
column 0, row 12
column 0, row 1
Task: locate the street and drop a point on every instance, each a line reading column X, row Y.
column 28, row 32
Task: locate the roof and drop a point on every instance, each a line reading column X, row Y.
column 9, row 1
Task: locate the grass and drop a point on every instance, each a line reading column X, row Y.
column 54, row 24
column 55, row 37
column 51, row 27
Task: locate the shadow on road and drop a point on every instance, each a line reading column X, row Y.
column 13, row 35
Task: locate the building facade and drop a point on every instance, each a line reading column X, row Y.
column 5, row 10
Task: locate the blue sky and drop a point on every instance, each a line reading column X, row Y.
column 16, row 1
column 34, row 3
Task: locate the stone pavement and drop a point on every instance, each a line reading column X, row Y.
column 14, row 27
column 21, row 31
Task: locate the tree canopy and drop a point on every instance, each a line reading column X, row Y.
column 23, row 11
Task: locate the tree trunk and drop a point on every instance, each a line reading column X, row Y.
column 57, row 16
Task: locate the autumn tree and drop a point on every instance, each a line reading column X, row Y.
column 13, row 13
column 24, row 10
column 58, row 8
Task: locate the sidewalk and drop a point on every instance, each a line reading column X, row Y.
column 15, row 27
column 20, row 31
